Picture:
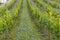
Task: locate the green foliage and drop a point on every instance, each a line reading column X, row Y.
column 8, row 6
column 51, row 17
column 7, row 20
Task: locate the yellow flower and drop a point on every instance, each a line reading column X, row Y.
column 1, row 22
column 59, row 21
column 50, row 13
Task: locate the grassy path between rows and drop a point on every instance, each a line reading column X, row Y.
column 27, row 29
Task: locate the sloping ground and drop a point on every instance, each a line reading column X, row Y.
column 26, row 30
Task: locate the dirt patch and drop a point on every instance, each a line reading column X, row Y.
column 9, row 1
